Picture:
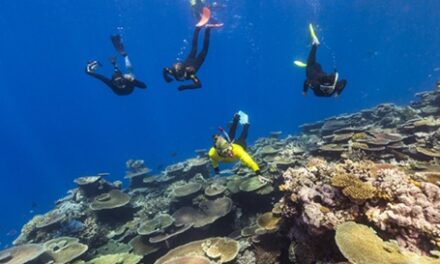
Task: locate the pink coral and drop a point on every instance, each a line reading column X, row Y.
column 412, row 213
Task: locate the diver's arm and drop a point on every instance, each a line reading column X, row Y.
column 139, row 84
column 214, row 161
column 166, row 74
column 100, row 77
column 305, row 87
column 247, row 159
column 196, row 84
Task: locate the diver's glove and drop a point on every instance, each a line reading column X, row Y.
column 217, row 171
column 92, row 66
column 262, row 179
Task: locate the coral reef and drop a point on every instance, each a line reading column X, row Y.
column 378, row 169
column 360, row 244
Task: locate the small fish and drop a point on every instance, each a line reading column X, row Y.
column 34, row 205
column 173, row 154
column 159, row 167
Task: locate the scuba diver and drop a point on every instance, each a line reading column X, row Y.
column 187, row 70
column 227, row 150
column 322, row 84
column 120, row 83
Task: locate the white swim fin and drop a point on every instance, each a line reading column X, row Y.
column 244, row 118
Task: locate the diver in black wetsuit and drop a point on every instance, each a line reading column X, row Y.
column 187, row 70
column 121, row 84
column 322, row 84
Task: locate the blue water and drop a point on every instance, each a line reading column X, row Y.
column 57, row 123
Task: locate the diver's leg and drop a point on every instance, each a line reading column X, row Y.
column 119, row 46
column 233, row 128
column 312, row 55
column 201, row 57
column 128, row 65
column 243, row 136
column 115, row 65
column 194, row 44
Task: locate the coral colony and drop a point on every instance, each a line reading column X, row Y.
column 361, row 188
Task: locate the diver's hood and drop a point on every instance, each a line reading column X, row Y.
column 221, row 145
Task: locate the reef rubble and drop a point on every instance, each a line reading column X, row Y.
column 356, row 188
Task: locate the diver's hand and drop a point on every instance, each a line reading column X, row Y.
column 92, row 66
column 167, row 78
column 264, row 180
column 166, row 71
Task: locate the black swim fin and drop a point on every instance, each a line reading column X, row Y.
column 117, row 43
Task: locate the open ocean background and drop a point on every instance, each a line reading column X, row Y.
column 57, row 123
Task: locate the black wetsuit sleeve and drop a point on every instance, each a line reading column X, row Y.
column 196, row 84
column 166, row 74
column 305, row 87
column 101, row 77
column 139, row 84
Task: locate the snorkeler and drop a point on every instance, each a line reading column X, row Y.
column 120, row 83
column 322, row 84
column 187, row 70
column 227, row 150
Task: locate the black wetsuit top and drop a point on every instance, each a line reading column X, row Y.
column 119, row 84
column 316, row 77
column 192, row 63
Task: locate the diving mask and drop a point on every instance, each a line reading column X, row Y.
column 329, row 88
column 222, row 146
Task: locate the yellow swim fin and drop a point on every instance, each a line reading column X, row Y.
column 315, row 39
column 300, row 64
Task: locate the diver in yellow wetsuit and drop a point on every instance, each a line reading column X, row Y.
column 226, row 150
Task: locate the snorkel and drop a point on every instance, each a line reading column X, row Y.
column 225, row 134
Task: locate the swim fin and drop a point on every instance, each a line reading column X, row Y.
column 117, row 43
column 315, row 39
column 300, row 64
column 244, row 118
column 206, row 16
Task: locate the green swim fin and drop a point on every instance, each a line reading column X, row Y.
column 315, row 39
column 300, row 64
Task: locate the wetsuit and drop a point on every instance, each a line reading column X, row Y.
column 187, row 70
column 238, row 150
column 118, row 83
column 322, row 84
